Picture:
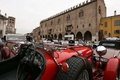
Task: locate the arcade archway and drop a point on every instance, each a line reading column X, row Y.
column 43, row 36
column 60, row 36
column 55, row 36
column 46, row 36
column 87, row 35
column 79, row 35
column 66, row 33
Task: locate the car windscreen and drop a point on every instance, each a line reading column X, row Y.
column 111, row 44
column 23, row 38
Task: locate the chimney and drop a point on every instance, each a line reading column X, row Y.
column 115, row 13
column 5, row 15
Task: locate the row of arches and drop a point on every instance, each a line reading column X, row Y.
column 86, row 36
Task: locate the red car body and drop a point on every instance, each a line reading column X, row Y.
column 56, row 60
column 61, row 58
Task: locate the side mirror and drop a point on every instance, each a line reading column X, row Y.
column 101, row 50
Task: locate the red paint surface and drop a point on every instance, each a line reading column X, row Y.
column 61, row 56
column 111, row 69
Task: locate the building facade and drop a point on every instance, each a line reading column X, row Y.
column 82, row 21
column 10, row 29
column 36, row 32
column 3, row 23
column 110, row 26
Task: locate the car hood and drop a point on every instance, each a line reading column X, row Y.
column 110, row 53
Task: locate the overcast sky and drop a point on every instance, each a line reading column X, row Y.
column 29, row 13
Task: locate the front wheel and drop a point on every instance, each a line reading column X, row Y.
column 79, row 69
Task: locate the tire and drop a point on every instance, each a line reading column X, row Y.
column 79, row 69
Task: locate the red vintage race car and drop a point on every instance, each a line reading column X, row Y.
column 56, row 62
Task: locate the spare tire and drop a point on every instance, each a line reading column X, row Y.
column 79, row 69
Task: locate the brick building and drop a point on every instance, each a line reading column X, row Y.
column 82, row 20
column 110, row 26
column 3, row 23
column 10, row 29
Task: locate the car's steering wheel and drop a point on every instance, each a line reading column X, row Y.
column 31, row 65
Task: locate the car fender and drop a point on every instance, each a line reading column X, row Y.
column 111, row 69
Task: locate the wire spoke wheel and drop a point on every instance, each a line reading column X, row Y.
column 79, row 69
column 84, row 75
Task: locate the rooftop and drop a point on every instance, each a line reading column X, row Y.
column 3, row 17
